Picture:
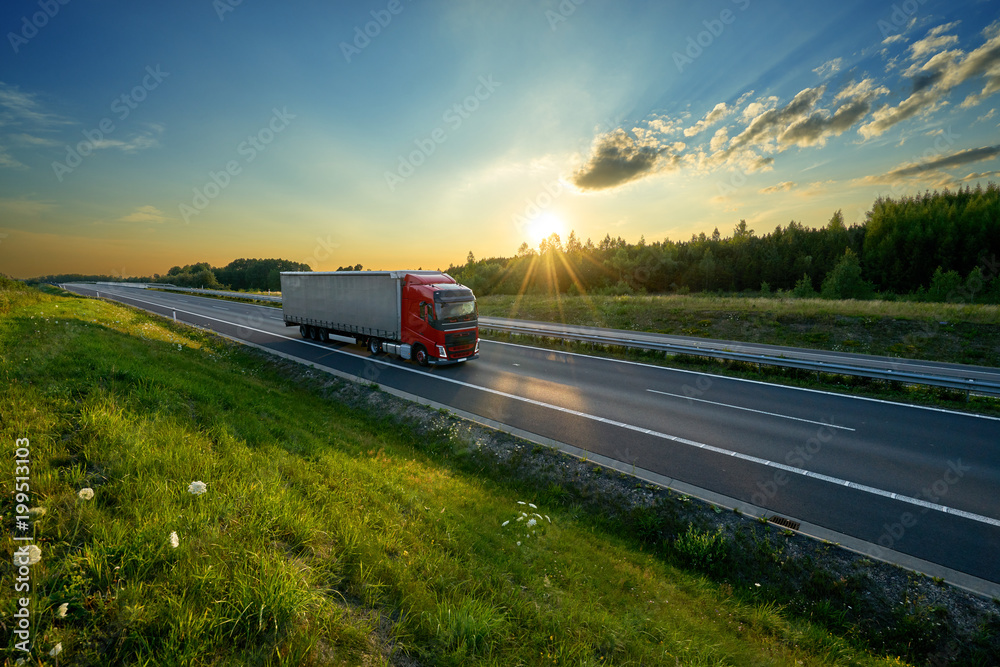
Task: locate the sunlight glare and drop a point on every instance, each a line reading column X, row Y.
column 544, row 225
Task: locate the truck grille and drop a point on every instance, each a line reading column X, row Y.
column 460, row 344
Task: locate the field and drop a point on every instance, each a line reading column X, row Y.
column 331, row 534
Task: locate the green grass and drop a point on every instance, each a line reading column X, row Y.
column 959, row 333
column 328, row 534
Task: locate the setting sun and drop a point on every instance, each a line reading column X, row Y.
column 543, row 226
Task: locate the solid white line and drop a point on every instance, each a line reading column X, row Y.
column 762, row 412
column 665, row 436
column 737, row 379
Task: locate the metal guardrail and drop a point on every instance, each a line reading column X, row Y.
column 965, row 384
column 235, row 295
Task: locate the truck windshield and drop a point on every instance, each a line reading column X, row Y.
column 457, row 311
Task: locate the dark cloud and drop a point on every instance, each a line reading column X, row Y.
column 953, row 160
column 932, row 169
column 934, row 80
column 618, row 158
column 818, row 126
column 765, row 126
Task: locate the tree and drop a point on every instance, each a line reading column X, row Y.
column 804, row 288
column 844, row 281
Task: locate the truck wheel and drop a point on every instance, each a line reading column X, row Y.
column 420, row 354
column 322, row 335
column 304, row 331
column 374, row 346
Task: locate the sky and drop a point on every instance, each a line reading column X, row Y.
column 401, row 134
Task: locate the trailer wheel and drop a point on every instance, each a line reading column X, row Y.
column 420, row 354
column 304, row 331
column 322, row 335
column 374, row 346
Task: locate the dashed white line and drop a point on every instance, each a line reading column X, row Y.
column 760, row 412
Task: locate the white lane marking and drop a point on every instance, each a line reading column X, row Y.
column 736, row 379
column 611, row 422
column 762, row 412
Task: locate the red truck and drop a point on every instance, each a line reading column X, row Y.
column 421, row 315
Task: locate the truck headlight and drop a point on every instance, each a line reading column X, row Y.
column 442, row 352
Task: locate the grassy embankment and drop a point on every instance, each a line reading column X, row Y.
column 327, row 535
column 957, row 333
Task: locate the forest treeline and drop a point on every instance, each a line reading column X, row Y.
column 940, row 246
column 240, row 274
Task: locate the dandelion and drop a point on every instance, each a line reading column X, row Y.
column 56, row 650
column 37, row 512
column 28, row 555
column 197, row 488
column 174, row 540
column 85, row 493
column 63, row 608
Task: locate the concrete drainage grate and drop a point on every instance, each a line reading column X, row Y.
column 782, row 521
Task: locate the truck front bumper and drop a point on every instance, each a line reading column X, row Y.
column 434, row 361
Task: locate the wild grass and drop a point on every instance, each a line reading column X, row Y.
column 613, row 308
column 957, row 333
column 327, row 535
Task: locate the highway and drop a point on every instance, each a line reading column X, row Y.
column 915, row 486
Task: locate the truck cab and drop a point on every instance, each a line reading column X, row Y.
column 440, row 319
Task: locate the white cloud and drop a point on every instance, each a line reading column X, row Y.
column 144, row 214
column 715, row 115
column 784, row 186
column 829, row 67
column 935, row 79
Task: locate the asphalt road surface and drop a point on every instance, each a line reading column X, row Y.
column 912, row 485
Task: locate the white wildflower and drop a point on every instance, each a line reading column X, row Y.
column 518, row 544
column 197, row 488
column 56, row 650
column 28, row 555
column 531, row 522
column 63, row 608
column 174, row 540
column 85, row 493
column 533, row 506
column 521, row 502
column 505, row 523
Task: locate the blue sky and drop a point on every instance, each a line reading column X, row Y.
column 405, row 133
